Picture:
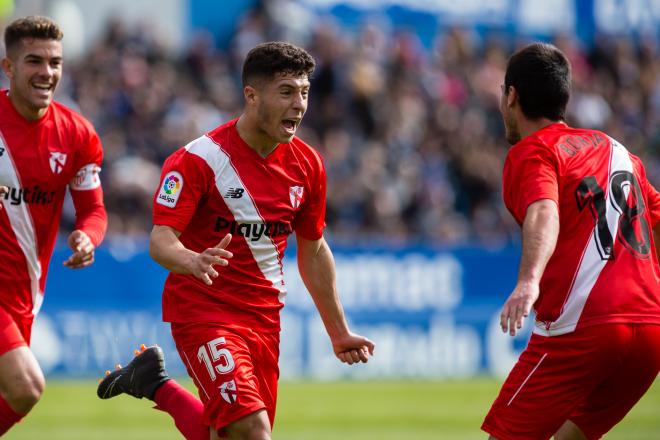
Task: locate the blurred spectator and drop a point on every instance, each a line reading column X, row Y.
column 412, row 137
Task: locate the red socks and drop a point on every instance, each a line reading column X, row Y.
column 185, row 409
column 178, row 402
column 9, row 417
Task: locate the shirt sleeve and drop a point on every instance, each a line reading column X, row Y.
column 88, row 163
column 185, row 179
column 310, row 220
column 530, row 174
column 85, row 186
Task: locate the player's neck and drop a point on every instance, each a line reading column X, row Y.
column 26, row 111
column 529, row 126
column 251, row 135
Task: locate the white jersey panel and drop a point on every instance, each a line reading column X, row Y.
column 22, row 225
column 244, row 209
column 591, row 263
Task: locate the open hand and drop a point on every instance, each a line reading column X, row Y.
column 202, row 263
column 3, row 190
column 517, row 306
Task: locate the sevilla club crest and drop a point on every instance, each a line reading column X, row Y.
column 228, row 391
column 57, row 161
column 296, row 194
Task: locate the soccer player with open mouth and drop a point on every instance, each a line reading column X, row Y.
column 225, row 206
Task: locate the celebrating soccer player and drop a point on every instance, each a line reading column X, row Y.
column 226, row 204
column 588, row 268
column 44, row 147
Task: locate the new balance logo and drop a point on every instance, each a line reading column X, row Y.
column 234, row 193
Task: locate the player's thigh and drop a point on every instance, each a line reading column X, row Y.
column 19, row 370
column 13, row 332
column 20, row 373
column 254, row 426
column 569, row 431
column 220, row 362
column 265, row 353
column 552, row 376
column 636, row 370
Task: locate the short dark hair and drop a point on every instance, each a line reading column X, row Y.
column 267, row 60
column 541, row 75
column 34, row 26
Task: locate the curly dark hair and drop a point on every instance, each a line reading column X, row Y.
column 267, row 60
column 34, row 26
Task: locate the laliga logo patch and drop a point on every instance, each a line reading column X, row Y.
column 172, row 184
column 57, row 161
column 228, row 391
column 170, row 189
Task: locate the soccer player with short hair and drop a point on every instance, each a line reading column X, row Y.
column 589, row 264
column 44, row 148
column 223, row 212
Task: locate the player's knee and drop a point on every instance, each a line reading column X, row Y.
column 253, row 427
column 25, row 393
column 569, row 431
column 253, row 433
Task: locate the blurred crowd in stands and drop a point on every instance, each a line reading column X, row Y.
column 412, row 136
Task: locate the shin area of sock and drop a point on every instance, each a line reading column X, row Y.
column 184, row 408
column 8, row 417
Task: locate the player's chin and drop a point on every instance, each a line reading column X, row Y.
column 285, row 135
column 41, row 103
column 284, row 139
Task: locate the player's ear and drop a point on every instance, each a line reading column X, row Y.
column 250, row 94
column 511, row 97
column 7, row 67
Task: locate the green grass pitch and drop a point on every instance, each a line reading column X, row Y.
column 311, row 411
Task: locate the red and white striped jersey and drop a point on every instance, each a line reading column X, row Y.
column 216, row 185
column 604, row 268
column 38, row 160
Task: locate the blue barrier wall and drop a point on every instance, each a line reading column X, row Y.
column 431, row 313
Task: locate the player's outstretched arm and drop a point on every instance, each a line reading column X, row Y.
column 317, row 269
column 539, row 237
column 168, row 251
column 3, row 190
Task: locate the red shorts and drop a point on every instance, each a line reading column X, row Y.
column 592, row 377
column 14, row 332
column 234, row 368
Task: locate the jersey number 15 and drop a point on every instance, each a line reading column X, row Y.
column 220, row 359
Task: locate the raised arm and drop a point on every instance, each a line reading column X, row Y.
column 168, row 251
column 539, row 237
column 317, row 269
